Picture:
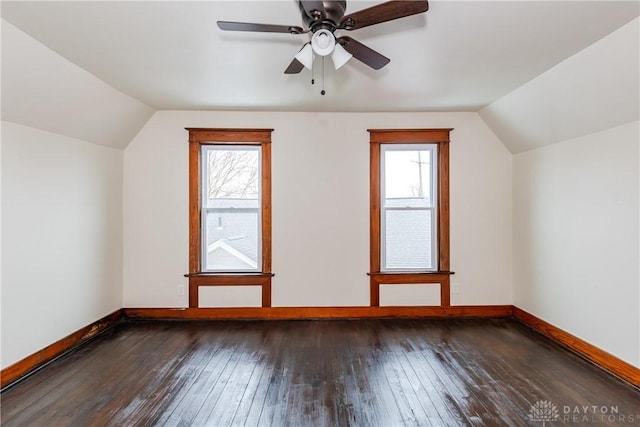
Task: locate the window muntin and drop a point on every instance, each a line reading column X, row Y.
column 231, row 208
column 408, row 201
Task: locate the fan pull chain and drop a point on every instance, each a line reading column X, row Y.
column 313, row 80
column 322, row 92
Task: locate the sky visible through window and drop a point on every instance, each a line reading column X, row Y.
column 233, row 174
column 407, row 174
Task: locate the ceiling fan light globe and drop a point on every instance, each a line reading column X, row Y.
column 305, row 56
column 323, row 42
column 340, row 56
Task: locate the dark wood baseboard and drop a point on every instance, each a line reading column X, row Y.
column 605, row 360
column 31, row 363
column 263, row 313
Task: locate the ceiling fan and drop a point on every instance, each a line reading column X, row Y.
column 323, row 19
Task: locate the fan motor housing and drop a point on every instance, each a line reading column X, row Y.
column 334, row 11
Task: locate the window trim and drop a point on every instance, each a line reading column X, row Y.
column 198, row 137
column 441, row 137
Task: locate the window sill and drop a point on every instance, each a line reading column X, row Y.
column 230, row 274
column 410, row 273
column 409, row 278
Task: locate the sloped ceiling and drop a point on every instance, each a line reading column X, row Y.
column 96, row 70
column 43, row 90
column 597, row 88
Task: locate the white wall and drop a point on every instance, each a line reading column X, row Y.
column 576, row 237
column 320, row 207
column 61, row 237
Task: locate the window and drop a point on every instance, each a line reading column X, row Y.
column 230, row 209
column 409, row 209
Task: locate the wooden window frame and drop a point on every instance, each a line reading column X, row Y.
column 441, row 137
column 199, row 137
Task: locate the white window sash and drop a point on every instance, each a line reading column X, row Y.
column 204, row 211
column 432, row 208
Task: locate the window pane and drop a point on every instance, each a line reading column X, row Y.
column 231, row 233
column 407, row 179
column 232, row 173
column 408, row 238
column 231, row 240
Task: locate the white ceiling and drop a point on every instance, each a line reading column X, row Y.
column 459, row 56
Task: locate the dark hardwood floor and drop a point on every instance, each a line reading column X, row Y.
column 401, row 372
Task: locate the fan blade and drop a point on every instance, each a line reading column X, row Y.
column 382, row 13
column 313, row 9
column 265, row 28
column 295, row 67
column 363, row 53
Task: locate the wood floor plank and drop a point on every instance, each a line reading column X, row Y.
column 446, row 372
column 404, row 395
column 59, row 374
column 423, row 384
column 377, row 372
column 168, row 384
column 50, row 404
column 251, row 411
column 383, row 403
column 187, row 378
column 142, row 379
column 236, row 386
column 197, row 399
